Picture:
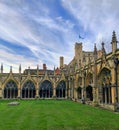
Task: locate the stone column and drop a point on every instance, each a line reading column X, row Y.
column 54, row 90
column 75, row 88
column 19, row 93
column 113, row 88
column 19, row 88
column 109, row 94
column 84, row 86
column 1, row 95
column 105, row 95
column 69, row 90
column 37, row 89
column 66, row 89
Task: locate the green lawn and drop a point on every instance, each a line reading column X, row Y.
column 55, row 115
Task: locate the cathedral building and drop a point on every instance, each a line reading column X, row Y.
column 90, row 77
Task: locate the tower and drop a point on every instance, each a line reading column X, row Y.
column 61, row 61
column 78, row 53
column 44, row 67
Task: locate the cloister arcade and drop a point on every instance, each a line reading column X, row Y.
column 61, row 89
column 28, row 90
column 93, row 76
column 105, row 86
column 46, row 89
column 10, row 90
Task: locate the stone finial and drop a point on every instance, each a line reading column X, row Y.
column 95, row 52
column 95, row 49
column 20, row 68
column 103, row 45
column 114, row 42
column 114, row 39
column 37, row 69
column 1, row 68
column 103, row 49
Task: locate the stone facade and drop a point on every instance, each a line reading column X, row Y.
column 90, row 77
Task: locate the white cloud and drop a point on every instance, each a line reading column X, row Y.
column 96, row 17
column 39, row 33
column 48, row 35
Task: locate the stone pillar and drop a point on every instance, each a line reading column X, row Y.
column 75, row 88
column 19, row 93
column 113, row 91
column 54, row 90
column 95, row 87
column 1, row 93
column 69, row 90
column 37, row 93
column 19, row 87
column 113, row 88
column 105, row 95
column 66, row 89
column 83, row 87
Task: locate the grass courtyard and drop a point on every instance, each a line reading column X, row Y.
column 55, row 115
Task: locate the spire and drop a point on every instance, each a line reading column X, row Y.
column 114, row 42
column 20, row 69
column 54, row 70
column 103, row 49
column 37, row 69
column 2, row 68
column 95, row 52
column 114, row 39
column 95, row 49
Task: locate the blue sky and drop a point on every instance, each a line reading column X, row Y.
column 40, row 31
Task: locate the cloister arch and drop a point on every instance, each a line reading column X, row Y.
column 105, row 86
column 28, row 90
column 89, row 88
column 89, row 92
column 10, row 89
column 61, row 89
column 79, row 88
column 46, row 89
column 79, row 92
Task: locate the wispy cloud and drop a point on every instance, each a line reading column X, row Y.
column 38, row 32
column 34, row 32
column 98, row 18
